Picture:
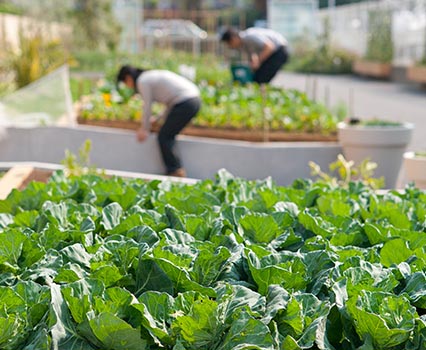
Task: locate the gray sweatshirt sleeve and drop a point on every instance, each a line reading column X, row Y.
column 147, row 106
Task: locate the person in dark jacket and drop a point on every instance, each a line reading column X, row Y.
column 266, row 49
column 181, row 98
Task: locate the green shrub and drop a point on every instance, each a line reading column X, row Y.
column 327, row 60
column 36, row 57
column 321, row 56
column 208, row 67
column 379, row 41
column 10, row 9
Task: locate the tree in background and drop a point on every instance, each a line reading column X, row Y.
column 95, row 25
column 8, row 7
column 93, row 22
column 36, row 57
column 379, row 41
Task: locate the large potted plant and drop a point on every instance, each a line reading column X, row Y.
column 383, row 142
column 415, row 168
column 377, row 62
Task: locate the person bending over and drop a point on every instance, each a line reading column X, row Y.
column 181, row 99
column 266, row 49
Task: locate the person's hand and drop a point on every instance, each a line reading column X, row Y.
column 255, row 62
column 154, row 122
column 141, row 134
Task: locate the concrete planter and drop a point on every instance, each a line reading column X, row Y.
column 119, row 150
column 417, row 74
column 372, row 69
column 415, row 169
column 384, row 145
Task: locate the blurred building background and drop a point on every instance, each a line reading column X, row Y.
column 137, row 25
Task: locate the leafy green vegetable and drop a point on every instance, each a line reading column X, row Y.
column 231, row 107
column 386, row 319
column 93, row 263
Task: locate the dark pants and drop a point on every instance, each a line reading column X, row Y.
column 178, row 117
column 271, row 66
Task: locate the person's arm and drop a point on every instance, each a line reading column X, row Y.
column 257, row 59
column 147, row 106
column 143, row 132
column 267, row 51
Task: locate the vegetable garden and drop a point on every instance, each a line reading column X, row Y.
column 94, row 263
column 228, row 111
column 232, row 108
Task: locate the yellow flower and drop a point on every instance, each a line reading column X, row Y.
column 107, row 99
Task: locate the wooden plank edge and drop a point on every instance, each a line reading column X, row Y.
column 20, row 174
column 15, row 178
column 221, row 133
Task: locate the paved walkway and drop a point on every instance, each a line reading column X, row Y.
column 368, row 98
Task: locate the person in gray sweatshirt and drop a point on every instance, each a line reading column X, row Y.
column 181, row 98
column 266, row 49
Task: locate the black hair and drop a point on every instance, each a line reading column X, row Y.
column 129, row 70
column 228, row 34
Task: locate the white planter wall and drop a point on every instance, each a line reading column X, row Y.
column 202, row 158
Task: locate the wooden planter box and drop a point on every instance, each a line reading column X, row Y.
column 221, row 133
column 372, row 69
column 21, row 174
column 417, row 74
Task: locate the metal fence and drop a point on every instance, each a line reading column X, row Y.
column 208, row 20
column 349, row 27
column 132, row 17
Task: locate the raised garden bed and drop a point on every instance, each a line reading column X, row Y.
column 234, row 113
column 372, row 69
column 118, row 149
column 20, row 174
column 417, row 74
column 225, row 264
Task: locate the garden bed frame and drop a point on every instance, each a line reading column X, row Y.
column 220, row 133
column 20, row 174
column 119, row 149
